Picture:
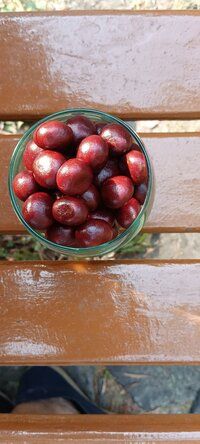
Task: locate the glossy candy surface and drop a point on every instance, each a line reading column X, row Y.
column 37, row 210
column 116, row 191
column 46, row 166
column 53, row 135
column 24, row 185
column 70, row 211
column 74, row 177
column 94, row 232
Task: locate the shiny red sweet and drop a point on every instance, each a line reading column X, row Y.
column 118, row 138
column 140, row 192
column 24, row 185
column 81, row 127
column 46, row 166
column 30, row 153
column 111, row 169
column 94, row 232
column 92, row 197
column 128, row 213
column 103, row 214
column 137, row 166
column 74, row 177
column 99, row 126
column 70, row 211
column 116, row 191
column 61, row 235
column 37, row 210
column 94, row 151
column 53, row 135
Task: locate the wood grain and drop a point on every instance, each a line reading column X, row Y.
column 102, row 429
column 99, row 312
column 138, row 65
column 176, row 162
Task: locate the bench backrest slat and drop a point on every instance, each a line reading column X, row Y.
column 99, row 312
column 106, row 429
column 135, row 64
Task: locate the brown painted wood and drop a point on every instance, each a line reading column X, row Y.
column 99, row 312
column 176, row 162
column 106, row 429
column 135, row 64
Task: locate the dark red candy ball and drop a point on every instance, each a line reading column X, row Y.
column 37, row 211
column 92, row 198
column 53, row 135
column 137, row 166
column 128, row 213
column 103, row 214
column 111, row 169
column 118, row 138
column 46, row 166
column 24, row 185
column 140, row 192
column 116, row 191
column 74, row 177
column 94, row 151
column 70, row 211
column 94, row 232
column 99, row 126
column 30, row 153
column 81, row 127
column 61, row 235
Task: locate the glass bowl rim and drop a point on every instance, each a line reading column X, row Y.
column 17, row 208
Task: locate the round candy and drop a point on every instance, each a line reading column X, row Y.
column 30, row 153
column 94, row 232
column 70, row 211
column 37, row 211
column 61, row 235
column 118, row 138
column 24, row 185
column 128, row 213
column 46, row 166
column 116, row 191
column 81, row 127
column 74, row 177
column 94, row 151
column 140, row 192
column 103, row 214
column 111, row 169
column 137, row 166
column 92, row 198
column 53, row 135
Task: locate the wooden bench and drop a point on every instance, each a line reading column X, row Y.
column 138, row 65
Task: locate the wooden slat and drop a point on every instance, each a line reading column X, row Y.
column 99, row 312
column 136, row 64
column 106, row 429
column 176, row 162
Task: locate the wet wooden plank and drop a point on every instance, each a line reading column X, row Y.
column 139, row 65
column 176, row 162
column 106, row 429
column 99, row 312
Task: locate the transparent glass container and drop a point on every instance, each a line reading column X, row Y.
column 124, row 236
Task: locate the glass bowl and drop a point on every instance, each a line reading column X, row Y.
column 123, row 237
